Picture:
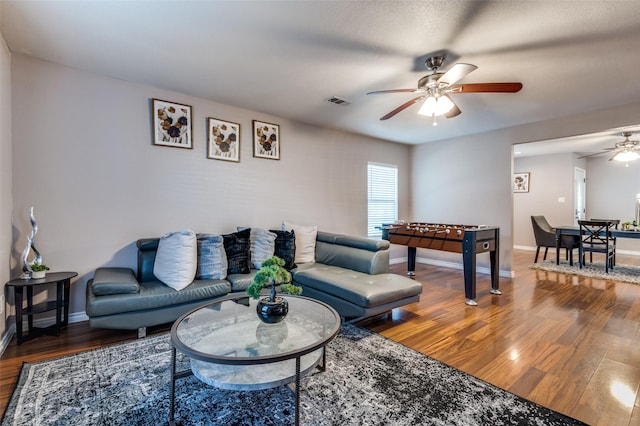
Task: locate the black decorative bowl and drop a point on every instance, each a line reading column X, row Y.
column 272, row 312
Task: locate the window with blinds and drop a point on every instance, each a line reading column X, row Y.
column 382, row 198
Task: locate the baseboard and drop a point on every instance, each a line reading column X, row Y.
column 452, row 265
column 624, row 252
column 6, row 338
column 39, row 322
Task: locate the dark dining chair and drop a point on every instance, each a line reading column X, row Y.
column 545, row 236
column 615, row 223
column 595, row 237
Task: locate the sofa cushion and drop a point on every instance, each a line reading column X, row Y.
column 305, row 241
column 176, row 259
column 238, row 249
column 361, row 289
column 154, row 294
column 240, row 282
column 212, row 258
column 285, row 247
column 114, row 281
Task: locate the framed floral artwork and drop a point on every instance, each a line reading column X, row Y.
column 224, row 140
column 266, row 140
column 172, row 124
column 521, row 182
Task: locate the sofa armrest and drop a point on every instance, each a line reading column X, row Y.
column 147, row 249
column 356, row 253
column 351, row 241
column 108, row 281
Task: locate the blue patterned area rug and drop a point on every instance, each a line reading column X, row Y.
column 624, row 273
column 369, row 380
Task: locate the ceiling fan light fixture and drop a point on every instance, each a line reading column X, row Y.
column 434, row 106
column 626, row 156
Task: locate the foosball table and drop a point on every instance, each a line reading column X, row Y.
column 465, row 239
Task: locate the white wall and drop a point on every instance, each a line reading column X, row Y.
column 464, row 181
column 611, row 193
column 551, row 179
column 6, row 203
column 468, row 179
column 83, row 157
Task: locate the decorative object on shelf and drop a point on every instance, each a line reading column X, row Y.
column 38, row 270
column 224, row 140
column 172, row 124
column 521, row 182
column 30, row 246
column 272, row 309
column 266, row 140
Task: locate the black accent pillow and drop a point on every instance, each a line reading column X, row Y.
column 237, row 246
column 285, row 247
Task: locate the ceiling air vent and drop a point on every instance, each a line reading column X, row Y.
column 339, row 101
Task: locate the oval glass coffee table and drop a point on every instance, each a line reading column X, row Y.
column 229, row 347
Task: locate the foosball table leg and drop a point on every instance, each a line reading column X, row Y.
column 495, row 291
column 471, row 302
column 411, row 261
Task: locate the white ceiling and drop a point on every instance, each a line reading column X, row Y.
column 286, row 58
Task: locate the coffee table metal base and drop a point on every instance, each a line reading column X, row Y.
column 206, row 372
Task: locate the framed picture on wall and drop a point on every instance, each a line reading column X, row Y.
column 172, row 124
column 521, row 182
column 266, row 140
column 223, row 140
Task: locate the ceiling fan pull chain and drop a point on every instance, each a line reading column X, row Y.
column 435, row 122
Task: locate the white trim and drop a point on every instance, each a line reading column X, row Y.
column 38, row 322
column 625, row 252
column 453, row 265
column 6, row 338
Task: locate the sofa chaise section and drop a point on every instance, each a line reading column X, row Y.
column 352, row 275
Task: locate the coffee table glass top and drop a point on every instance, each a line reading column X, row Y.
column 225, row 336
column 229, row 331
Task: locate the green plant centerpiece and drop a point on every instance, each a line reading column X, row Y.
column 272, row 308
column 38, row 270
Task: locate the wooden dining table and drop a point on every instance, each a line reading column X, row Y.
column 575, row 230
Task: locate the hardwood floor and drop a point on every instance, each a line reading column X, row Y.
column 566, row 342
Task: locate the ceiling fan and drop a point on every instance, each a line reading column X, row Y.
column 436, row 87
column 627, row 150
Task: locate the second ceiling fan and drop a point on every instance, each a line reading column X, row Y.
column 436, row 87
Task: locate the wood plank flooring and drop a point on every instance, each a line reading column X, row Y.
column 566, row 342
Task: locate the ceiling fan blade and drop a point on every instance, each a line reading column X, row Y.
column 455, row 73
column 402, row 107
column 485, row 87
column 455, row 111
column 393, row 91
column 591, row 155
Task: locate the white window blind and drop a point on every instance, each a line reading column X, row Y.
column 382, row 197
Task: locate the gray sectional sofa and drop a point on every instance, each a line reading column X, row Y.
column 349, row 273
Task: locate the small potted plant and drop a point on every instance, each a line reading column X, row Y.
column 272, row 308
column 38, row 270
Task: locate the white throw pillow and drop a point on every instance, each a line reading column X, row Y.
column 305, row 241
column 176, row 259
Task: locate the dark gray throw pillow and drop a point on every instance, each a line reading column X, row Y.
column 285, row 247
column 237, row 246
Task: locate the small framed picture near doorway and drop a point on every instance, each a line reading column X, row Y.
column 521, row 182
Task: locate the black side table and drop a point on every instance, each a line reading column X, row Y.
column 63, row 282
